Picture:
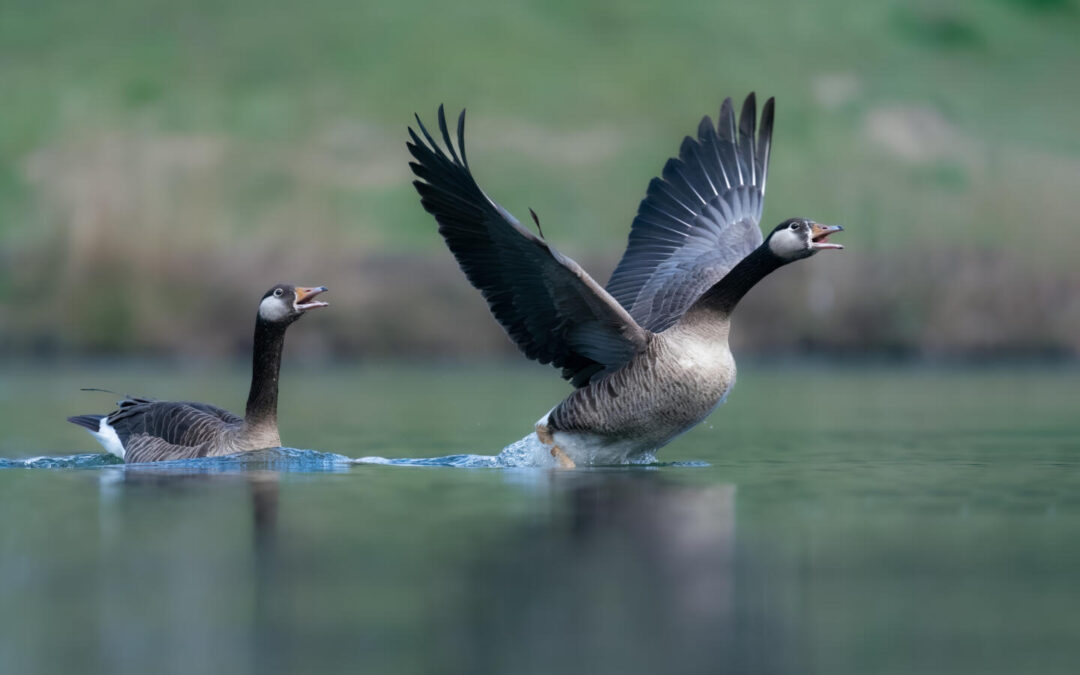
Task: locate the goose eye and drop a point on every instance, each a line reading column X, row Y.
column 277, row 293
column 794, row 226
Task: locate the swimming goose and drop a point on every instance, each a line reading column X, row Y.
column 145, row 430
column 648, row 355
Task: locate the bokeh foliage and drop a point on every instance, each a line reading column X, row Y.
column 163, row 163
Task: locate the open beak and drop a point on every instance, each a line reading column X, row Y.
column 305, row 298
column 819, row 236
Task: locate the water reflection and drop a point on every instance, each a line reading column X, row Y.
column 614, row 571
column 179, row 587
column 632, row 573
column 252, row 639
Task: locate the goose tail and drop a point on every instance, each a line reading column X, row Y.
column 99, row 428
column 89, row 422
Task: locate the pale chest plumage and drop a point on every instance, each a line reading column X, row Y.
column 684, row 375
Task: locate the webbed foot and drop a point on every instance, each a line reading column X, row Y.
column 545, row 436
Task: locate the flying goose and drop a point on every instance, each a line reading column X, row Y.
column 145, row 430
column 648, row 355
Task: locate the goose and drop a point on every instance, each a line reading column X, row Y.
column 647, row 354
column 147, row 430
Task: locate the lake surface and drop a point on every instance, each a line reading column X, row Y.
column 827, row 519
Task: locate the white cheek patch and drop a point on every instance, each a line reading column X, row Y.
column 273, row 309
column 788, row 243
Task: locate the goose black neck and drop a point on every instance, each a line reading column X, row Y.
column 265, row 369
column 721, row 299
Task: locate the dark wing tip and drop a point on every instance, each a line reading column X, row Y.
column 446, row 134
column 748, row 114
column 427, row 135
column 420, row 126
column 767, row 111
column 764, row 140
column 725, row 124
column 705, row 127
column 461, row 137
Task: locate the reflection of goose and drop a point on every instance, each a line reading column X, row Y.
column 144, row 430
column 649, row 354
column 627, row 572
column 190, row 593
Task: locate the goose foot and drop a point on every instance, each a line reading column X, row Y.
column 544, row 434
column 562, row 458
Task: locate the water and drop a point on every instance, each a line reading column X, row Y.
column 826, row 520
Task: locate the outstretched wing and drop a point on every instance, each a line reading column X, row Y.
column 697, row 221
column 155, row 430
column 552, row 309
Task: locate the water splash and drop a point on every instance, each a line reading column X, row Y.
column 83, row 461
column 271, row 459
column 528, row 452
column 457, row 461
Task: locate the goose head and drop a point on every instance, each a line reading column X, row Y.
column 285, row 303
column 798, row 238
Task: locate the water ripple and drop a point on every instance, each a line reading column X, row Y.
column 82, row 461
column 528, row 452
column 271, row 459
column 458, row 461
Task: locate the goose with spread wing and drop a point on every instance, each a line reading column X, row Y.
column 145, row 430
column 648, row 354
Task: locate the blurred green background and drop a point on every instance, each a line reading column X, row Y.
column 162, row 164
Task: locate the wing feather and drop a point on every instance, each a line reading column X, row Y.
column 156, row 430
column 699, row 219
column 550, row 307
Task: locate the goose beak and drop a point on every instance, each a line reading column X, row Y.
column 305, row 298
column 819, row 236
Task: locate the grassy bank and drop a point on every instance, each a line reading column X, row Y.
column 161, row 165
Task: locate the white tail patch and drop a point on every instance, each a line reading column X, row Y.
column 106, row 435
